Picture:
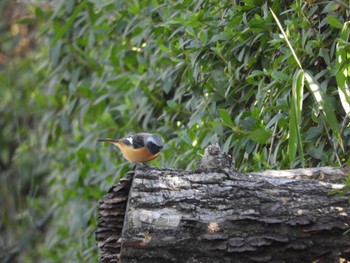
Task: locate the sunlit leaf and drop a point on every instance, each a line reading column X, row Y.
column 342, row 73
column 286, row 38
column 323, row 104
column 294, row 141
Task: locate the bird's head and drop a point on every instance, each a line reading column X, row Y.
column 154, row 143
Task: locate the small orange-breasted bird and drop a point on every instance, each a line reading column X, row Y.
column 140, row 147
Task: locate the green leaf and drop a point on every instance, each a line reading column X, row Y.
column 197, row 116
column 294, row 140
column 342, row 74
column 226, row 118
column 334, row 22
column 323, row 104
column 279, row 75
column 286, row 38
column 331, row 6
column 69, row 22
column 260, row 135
column 313, row 133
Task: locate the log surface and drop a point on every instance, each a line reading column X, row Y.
column 215, row 214
column 180, row 216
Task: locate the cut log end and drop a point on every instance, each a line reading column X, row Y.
column 112, row 208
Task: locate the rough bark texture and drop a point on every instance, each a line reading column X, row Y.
column 111, row 215
column 219, row 215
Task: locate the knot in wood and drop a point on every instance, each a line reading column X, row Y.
column 215, row 158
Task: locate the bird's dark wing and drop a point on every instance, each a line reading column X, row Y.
column 138, row 141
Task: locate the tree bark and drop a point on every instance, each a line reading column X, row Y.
column 218, row 215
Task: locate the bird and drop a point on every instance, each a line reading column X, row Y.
column 140, row 147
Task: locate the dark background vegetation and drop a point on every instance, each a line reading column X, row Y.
column 197, row 72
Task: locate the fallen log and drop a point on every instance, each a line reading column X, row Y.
column 215, row 214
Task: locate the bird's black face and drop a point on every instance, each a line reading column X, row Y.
column 154, row 148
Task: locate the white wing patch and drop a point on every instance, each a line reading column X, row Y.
column 129, row 139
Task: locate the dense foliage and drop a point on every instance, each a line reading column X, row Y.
column 271, row 90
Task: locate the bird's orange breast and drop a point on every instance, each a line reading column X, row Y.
column 140, row 155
